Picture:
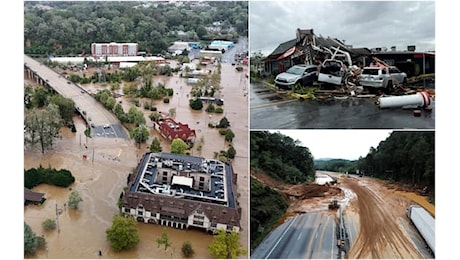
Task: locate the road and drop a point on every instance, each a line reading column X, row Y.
column 91, row 110
column 306, row 236
column 272, row 110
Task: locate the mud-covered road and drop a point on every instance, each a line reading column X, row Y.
column 380, row 235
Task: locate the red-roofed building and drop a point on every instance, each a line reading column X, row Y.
column 172, row 130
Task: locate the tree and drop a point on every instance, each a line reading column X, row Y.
column 229, row 135
column 49, row 224
column 74, row 199
column 140, row 134
column 187, row 249
column 30, row 241
column 136, row 116
column 42, row 126
column 66, row 107
column 164, row 239
column 196, row 104
column 226, row 245
column 231, row 152
column 223, row 123
column 156, row 145
column 178, row 146
column 123, row 234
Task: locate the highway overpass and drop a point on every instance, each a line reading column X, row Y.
column 103, row 123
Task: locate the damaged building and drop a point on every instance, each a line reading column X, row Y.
column 308, row 48
column 182, row 191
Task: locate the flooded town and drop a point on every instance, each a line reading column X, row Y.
column 106, row 160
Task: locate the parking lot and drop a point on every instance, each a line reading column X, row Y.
column 276, row 110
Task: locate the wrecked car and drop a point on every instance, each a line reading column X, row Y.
column 382, row 77
column 332, row 71
column 301, row 74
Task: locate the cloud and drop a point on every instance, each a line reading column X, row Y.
column 360, row 23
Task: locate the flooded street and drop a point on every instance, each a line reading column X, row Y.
column 270, row 110
column 101, row 177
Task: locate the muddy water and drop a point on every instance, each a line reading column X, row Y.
column 101, row 177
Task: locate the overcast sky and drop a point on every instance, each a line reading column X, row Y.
column 337, row 144
column 360, row 23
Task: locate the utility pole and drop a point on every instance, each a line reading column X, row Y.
column 57, row 218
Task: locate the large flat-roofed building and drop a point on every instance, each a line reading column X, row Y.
column 183, row 191
column 114, row 49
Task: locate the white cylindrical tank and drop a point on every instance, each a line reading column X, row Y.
column 420, row 99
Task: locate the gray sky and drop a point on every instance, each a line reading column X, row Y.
column 337, row 144
column 360, row 23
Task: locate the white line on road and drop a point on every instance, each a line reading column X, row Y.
column 299, row 236
column 282, row 235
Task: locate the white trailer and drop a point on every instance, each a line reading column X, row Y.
column 424, row 223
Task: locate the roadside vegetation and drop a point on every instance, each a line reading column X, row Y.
column 45, row 113
column 281, row 157
column 267, row 207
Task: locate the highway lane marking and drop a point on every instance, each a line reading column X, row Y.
column 282, row 235
column 300, row 235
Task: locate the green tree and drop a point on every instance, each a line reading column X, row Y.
column 229, row 135
column 136, row 116
column 74, row 199
column 178, row 146
column 155, row 116
column 231, row 152
column 30, row 240
column 49, row 224
column 40, row 97
column 196, row 104
column 123, row 234
column 223, row 123
column 164, row 240
column 187, row 250
column 156, row 145
column 66, row 107
column 140, row 134
column 226, row 245
column 42, row 126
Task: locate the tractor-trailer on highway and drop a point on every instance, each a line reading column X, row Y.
column 424, row 223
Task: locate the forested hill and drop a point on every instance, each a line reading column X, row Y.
column 281, row 157
column 405, row 156
column 69, row 27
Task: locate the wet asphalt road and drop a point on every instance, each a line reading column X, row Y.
column 271, row 110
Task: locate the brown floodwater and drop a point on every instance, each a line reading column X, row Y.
column 101, row 178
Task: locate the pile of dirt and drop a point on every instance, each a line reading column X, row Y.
column 307, row 191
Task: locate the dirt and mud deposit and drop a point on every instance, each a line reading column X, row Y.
column 101, row 177
column 375, row 210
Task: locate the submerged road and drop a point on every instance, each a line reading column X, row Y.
column 102, row 121
column 305, row 236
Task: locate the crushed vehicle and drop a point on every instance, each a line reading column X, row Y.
column 382, row 76
column 335, row 71
column 301, row 74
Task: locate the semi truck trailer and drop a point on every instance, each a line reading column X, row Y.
column 424, row 223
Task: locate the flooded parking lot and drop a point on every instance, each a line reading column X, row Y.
column 271, row 109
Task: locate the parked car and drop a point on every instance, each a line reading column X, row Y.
column 301, row 74
column 382, row 77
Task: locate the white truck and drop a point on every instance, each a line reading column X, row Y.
column 424, row 223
